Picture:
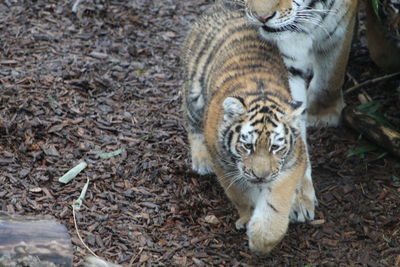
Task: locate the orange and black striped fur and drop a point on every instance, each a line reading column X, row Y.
column 244, row 125
column 314, row 37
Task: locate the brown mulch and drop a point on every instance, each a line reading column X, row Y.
column 76, row 85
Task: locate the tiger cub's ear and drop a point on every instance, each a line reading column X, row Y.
column 298, row 108
column 294, row 117
column 233, row 107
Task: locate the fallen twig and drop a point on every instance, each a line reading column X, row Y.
column 76, row 206
column 95, row 261
column 352, row 78
column 372, row 81
column 136, row 256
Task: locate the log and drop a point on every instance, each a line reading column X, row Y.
column 375, row 131
column 33, row 241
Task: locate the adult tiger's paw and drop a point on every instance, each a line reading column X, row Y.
column 325, row 120
column 326, row 115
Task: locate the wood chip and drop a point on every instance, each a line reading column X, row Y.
column 211, row 219
column 35, row 189
column 317, row 222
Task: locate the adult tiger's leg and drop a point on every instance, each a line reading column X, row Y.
column 325, row 97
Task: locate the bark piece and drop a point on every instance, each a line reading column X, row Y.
column 380, row 134
column 35, row 240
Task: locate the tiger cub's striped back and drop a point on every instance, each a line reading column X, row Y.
column 220, row 47
column 244, row 126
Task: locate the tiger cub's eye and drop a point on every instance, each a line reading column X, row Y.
column 274, row 147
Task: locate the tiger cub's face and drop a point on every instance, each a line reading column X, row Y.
column 258, row 138
column 276, row 16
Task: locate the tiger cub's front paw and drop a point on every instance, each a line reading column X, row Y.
column 265, row 235
column 240, row 223
column 303, row 208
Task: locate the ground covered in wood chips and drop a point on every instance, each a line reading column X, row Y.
column 107, row 78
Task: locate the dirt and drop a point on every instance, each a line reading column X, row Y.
column 74, row 85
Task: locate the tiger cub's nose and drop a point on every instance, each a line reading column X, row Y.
column 264, row 19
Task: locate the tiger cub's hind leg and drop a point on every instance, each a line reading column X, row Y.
column 194, row 102
column 200, row 156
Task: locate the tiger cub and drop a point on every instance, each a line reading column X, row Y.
column 383, row 33
column 314, row 37
column 244, row 125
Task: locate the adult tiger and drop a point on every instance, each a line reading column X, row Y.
column 383, row 33
column 244, row 125
column 314, row 37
